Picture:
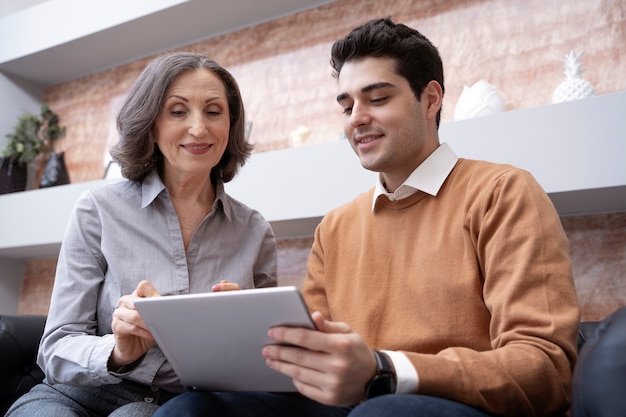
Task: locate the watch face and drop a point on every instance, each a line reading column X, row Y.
column 384, row 382
column 381, row 385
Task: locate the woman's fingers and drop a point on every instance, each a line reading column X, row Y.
column 224, row 285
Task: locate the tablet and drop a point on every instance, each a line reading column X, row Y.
column 214, row 340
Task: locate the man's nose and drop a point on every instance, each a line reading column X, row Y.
column 359, row 115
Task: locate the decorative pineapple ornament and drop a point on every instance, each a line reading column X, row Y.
column 574, row 87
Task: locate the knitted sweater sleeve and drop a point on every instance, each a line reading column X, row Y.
column 528, row 290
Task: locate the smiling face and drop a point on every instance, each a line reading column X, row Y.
column 390, row 131
column 192, row 127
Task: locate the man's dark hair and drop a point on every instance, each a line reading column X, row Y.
column 416, row 58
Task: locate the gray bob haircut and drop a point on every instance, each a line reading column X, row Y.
column 136, row 152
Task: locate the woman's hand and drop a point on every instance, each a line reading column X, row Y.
column 132, row 337
column 224, row 285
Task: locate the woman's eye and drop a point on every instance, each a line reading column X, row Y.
column 177, row 112
column 213, row 110
column 347, row 110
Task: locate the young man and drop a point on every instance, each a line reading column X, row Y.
column 444, row 290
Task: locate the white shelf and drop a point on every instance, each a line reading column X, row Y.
column 120, row 31
column 33, row 222
column 576, row 150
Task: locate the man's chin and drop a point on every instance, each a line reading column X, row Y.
column 370, row 166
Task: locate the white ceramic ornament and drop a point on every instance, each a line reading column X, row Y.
column 481, row 99
column 299, row 135
column 574, row 87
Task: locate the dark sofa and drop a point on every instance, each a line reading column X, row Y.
column 19, row 341
column 600, row 373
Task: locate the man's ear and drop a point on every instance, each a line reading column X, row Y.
column 433, row 96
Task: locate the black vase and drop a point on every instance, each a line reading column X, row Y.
column 13, row 176
column 55, row 172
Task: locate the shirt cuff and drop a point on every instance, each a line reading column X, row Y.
column 127, row 369
column 406, row 374
column 98, row 360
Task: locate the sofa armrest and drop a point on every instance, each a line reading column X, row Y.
column 19, row 342
column 586, row 331
column 600, row 374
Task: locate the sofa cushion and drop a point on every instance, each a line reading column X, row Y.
column 19, row 341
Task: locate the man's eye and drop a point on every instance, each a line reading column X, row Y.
column 347, row 110
column 379, row 100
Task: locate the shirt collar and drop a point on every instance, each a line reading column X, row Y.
column 152, row 187
column 427, row 177
column 222, row 197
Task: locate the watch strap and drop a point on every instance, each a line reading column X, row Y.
column 384, row 382
column 383, row 363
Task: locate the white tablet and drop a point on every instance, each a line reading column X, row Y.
column 214, row 340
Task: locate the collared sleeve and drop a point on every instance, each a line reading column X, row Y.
column 77, row 340
column 71, row 351
column 407, row 380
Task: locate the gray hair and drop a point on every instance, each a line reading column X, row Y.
column 136, row 152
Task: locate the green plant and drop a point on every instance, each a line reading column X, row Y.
column 33, row 135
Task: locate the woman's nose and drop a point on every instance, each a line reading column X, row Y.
column 197, row 127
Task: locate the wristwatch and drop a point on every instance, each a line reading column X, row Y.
column 384, row 382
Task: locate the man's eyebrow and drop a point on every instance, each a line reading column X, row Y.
column 341, row 97
column 366, row 89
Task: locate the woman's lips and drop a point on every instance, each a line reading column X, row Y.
column 196, row 148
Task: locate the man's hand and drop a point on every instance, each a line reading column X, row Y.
column 331, row 365
column 132, row 337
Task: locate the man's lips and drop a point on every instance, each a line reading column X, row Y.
column 367, row 138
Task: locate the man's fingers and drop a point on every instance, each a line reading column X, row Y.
column 294, row 362
column 327, row 326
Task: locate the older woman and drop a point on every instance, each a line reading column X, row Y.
column 170, row 229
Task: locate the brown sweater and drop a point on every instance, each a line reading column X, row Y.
column 473, row 285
